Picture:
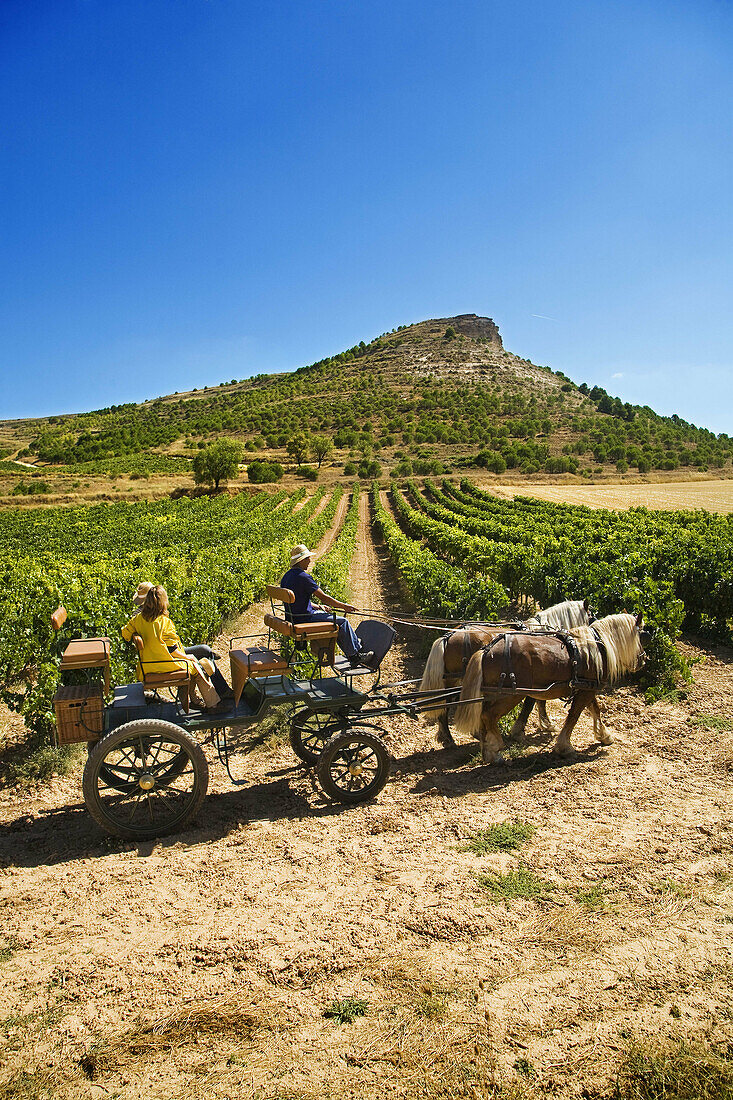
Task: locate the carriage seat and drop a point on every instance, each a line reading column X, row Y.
column 281, row 625
column 179, row 678
column 301, row 630
column 254, row 661
column 83, row 653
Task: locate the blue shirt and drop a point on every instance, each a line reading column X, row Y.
column 302, row 585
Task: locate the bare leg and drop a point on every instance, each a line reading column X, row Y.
column 580, row 701
column 600, row 729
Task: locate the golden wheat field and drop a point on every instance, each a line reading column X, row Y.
column 715, row 496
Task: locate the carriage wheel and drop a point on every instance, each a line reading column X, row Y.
column 354, row 766
column 119, row 780
column 310, row 732
column 145, row 779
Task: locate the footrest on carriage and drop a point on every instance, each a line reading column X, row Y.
column 129, row 696
column 255, row 661
column 343, row 667
column 128, row 704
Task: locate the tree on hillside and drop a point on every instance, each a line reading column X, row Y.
column 321, row 447
column 216, row 463
column 298, row 447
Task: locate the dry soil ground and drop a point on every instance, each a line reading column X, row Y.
column 715, row 496
column 202, row 965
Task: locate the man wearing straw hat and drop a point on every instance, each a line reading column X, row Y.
column 304, row 586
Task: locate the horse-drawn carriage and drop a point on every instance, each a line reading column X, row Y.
column 147, row 773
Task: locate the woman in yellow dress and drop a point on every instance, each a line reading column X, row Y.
column 162, row 651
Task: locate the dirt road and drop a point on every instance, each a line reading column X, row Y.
column 202, row 965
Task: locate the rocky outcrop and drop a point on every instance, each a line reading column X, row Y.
column 470, row 324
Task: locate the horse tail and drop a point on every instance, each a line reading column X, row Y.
column 433, row 678
column 468, row 716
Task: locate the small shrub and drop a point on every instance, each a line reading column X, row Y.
column 504, row 837
column 350, row 469
column 31, row 487
column 519, row 883
column 450, row 333
column 711, row 722
column 260, row 472
column 347, row 1010
column 8, row 947
column 310, row 473
column 592, row 898
column 431, row 1006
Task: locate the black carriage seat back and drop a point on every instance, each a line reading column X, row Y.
column 376, row 636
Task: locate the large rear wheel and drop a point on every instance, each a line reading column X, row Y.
column 354, row 766
column 145, row 779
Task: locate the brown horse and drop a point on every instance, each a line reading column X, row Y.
column 450, row 655
column 513, row 665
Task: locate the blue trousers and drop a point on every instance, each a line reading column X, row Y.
column 347, row 639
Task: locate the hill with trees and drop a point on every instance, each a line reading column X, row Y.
column 428, row 398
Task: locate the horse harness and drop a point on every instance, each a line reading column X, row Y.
column 508, row 681
column 518, row 628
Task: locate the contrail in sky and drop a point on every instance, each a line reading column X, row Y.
column 544, row 317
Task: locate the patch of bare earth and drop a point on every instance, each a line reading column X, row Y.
column 202, row 965
column 714, row 496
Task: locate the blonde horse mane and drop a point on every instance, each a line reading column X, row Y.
column 468, row 717
column 561, row 616
column 433, row 678
column 621, row 640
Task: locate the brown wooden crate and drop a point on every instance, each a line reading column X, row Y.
column 79, row 713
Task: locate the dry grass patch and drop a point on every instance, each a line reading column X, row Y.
column 222, row 1017
column 683, row 1071
column 571, row 926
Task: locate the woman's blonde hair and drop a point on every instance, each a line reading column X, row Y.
column 156, row 603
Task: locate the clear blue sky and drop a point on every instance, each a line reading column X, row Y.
column 199, row 190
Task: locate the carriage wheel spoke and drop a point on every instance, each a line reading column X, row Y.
column 135, row 807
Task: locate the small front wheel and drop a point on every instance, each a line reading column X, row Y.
column 310, row 732
column 145, row 779
column 354, row 766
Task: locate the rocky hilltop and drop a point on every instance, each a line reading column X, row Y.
column 469, row 324
column 438, row 396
